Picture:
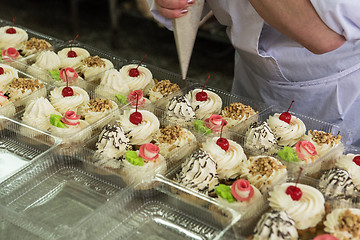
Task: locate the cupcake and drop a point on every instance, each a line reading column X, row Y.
column 11, row 36
column 72, row 57
column 141, row 166
column 112, row 83
column 22, row 87
column 174, row 140
column 228, row 155
column 137, row 77
column 142, row 130
column 7, row 74
column 93, row 67
column 260, row 138
column 275, row 225
column 323, row 141
column 343, row 223
column 303, row 203
column 179, row 110
column 286, row 134
column 351, row 163
column 70, row 126
column 63, row 103
column 46, row 62
column 162, row 89
column 304, row 153
column 37, row 113
column 98, row 108
column 198, row 172
column 32, row 46
column 264, row 172
column 204, row 106
column 237, row 113
column 240, row 196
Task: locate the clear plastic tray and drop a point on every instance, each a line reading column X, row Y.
column 57, row 192
column 18, row 148
column 159, row 214
column 311, row 124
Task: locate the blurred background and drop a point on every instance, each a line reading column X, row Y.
column 126, row 29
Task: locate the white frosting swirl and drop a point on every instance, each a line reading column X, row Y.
column 264, row 172
column 306, row 212
column 93, row 73
column 179, row 109
column 37, row 113
column 332, row 223
column 112, row 83
column 204, row 109
column 228, row 162
column 47, row 60
column 64, row 104
column 75, row 62
column 346, row 162
column 259, row 136
column 287, row 134
column 9, row 74
column 12, row 40
column 140, row 82
column 143, row 132
column 198, row 172
column 92, row 116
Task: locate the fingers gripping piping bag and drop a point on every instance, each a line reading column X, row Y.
column 185, row 30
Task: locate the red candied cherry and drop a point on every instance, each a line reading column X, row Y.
column 286, row 116
column 356, row 160
column 134, row 72
column 1, row 71
column 11, row 30
column 67, row 91
column 136, row 117
column 202, row 96
column 295, row 192
column 223, row 142
column 71, row 53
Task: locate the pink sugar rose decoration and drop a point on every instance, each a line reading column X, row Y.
column 131, row 98
column 149, row 151
column 71, row 118
column 9, row 54
column 68, row 73
column 305, row 150
column 326, row 237
column 215, row 122
column 242, row 190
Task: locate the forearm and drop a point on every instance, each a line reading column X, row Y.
column 298, row 20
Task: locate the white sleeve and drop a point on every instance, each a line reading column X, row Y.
column 342, row 16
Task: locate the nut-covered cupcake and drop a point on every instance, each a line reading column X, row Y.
column 22, row 87
column 92, row 66
column 236, row 113
column 32, row 46
column 323, row 141
column 162, row 89
column 97, row 109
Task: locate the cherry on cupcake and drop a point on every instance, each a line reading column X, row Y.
column 134, row 72
column 295, row 192
column 67, row 91
column 202, row 96
column 286, row 116
column 136, row 117
column 1, row 71
column 71, row 53
column 356, row 160
column 223, row 142
column 11, row 30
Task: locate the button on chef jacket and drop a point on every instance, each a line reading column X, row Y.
column 272, row 68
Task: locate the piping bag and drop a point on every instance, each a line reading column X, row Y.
column 185, row 30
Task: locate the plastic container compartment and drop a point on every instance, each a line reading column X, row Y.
column 87, row 132
column 16, row 106
column 227, row 99
column 145, row 178
column 18, row 147
column 311, row 169
column 160, row 214
column 55, row 193
column 31, row 33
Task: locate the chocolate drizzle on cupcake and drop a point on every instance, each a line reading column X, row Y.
column 180, row 107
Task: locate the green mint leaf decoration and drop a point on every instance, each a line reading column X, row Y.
column 288, row 154
column 55, row 75
column 133, row 158
column 121, row 98
column 224, row 192
column 199, row 126
column 55, row 120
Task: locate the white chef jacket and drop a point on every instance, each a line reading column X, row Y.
column 272, row 68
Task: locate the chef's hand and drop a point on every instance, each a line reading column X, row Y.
column 298, row 20
column 173, row 8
